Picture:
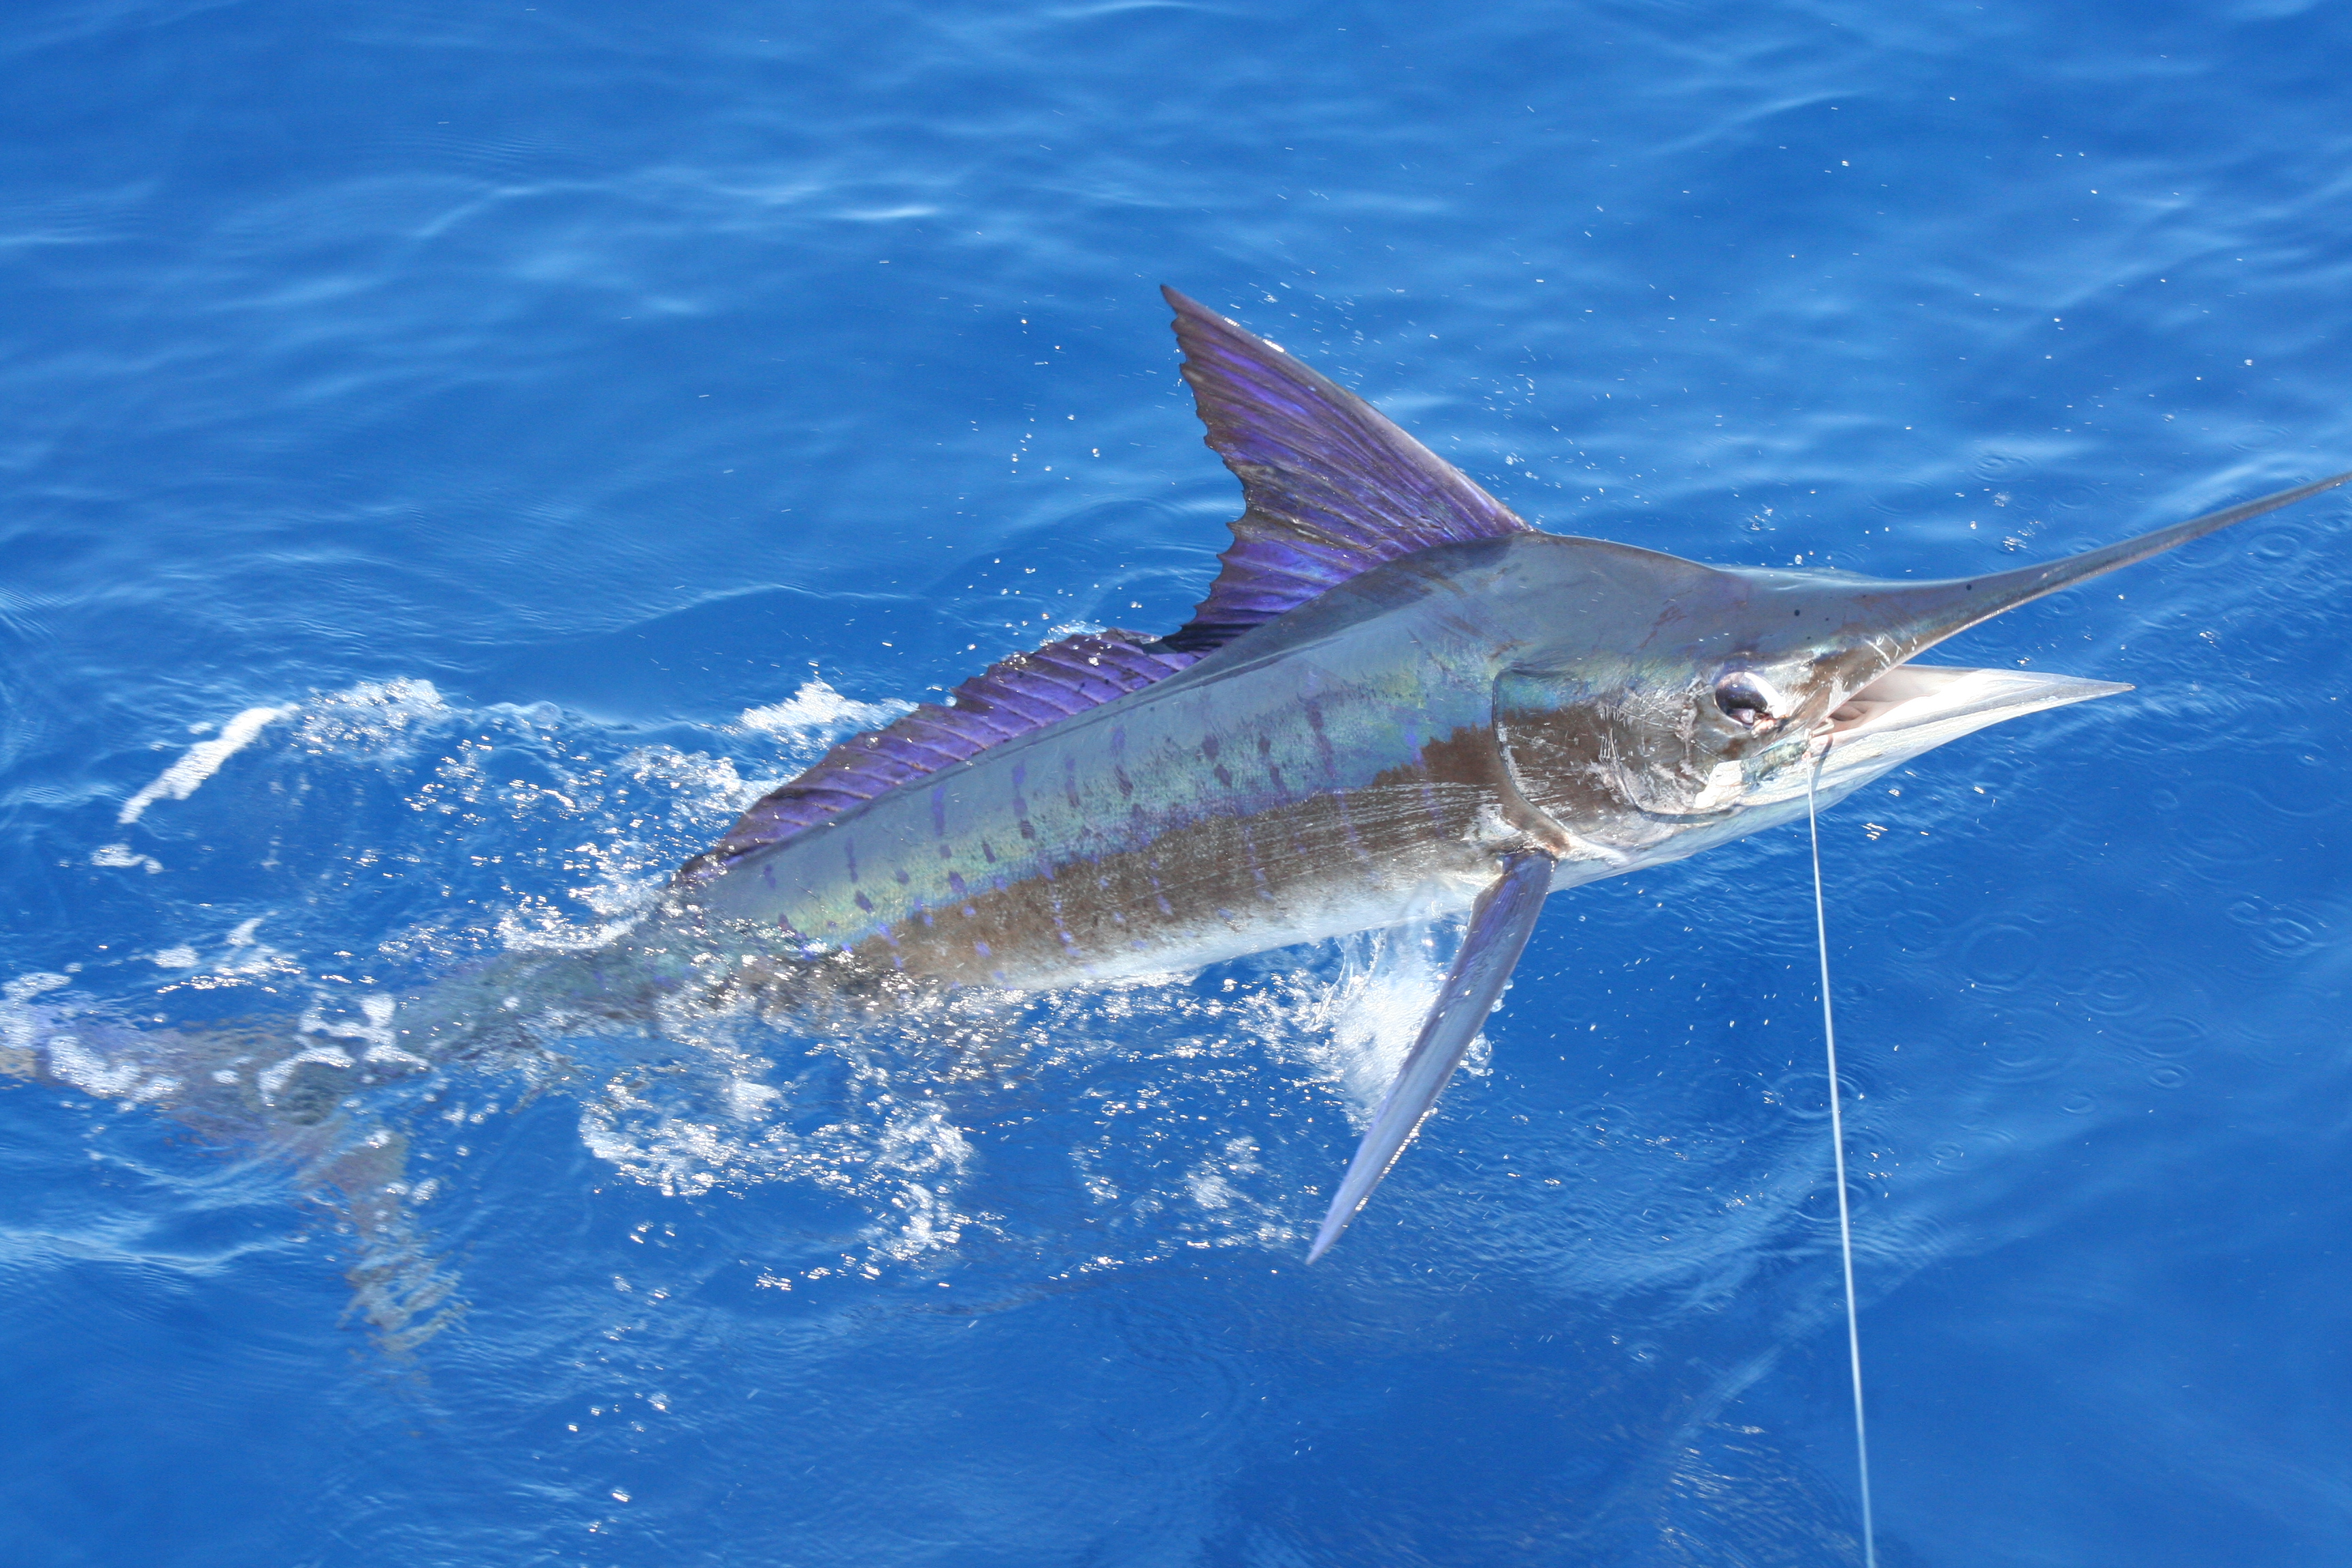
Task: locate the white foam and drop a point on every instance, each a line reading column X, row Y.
column 374, row 716
column 751, row 1100
column 376, row 1032
column 816, row 709
column 381, row 1037
column 1207, row 1181
column 25, row 987
column 249, row 955
column 197, row 763
column 20, row 1025
column 123, row 855
column 899, row 1156
column 77, row 1065
column 274, row 1078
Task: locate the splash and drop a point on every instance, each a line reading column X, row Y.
column 371, row 719
column 1077, row 1132
column 1377, row 1013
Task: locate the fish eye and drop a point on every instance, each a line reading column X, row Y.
column 1746, row 698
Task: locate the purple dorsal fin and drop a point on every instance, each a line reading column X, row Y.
column 1012, row 696
column 1332, row 488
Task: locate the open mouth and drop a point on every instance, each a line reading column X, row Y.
column 1912, row 709
column 1899, row 688
column 1952, row 702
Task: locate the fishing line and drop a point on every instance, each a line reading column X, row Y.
column 1837, row 1144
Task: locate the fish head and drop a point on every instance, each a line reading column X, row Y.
column 1673, row 697
column 1673, row 693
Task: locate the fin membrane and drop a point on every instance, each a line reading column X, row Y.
column 1332, row 489
column 1499, row 924
column 1012, row 697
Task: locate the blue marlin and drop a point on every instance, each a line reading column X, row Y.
column 1398, row 700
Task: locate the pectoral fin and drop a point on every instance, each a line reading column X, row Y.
column 1499, row 924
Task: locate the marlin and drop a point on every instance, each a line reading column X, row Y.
column 1399, row 699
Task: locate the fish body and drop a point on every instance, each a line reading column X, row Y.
column 1333, row 769
column 1350, row 764
column 1323, row 774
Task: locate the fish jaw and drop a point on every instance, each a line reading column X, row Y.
column 1906, row 714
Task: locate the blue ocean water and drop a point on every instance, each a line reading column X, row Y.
column 457, row 455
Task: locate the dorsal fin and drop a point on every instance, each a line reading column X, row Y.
column 1012, row 696
column 1332, row 488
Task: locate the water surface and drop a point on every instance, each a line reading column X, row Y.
column 563, row 421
